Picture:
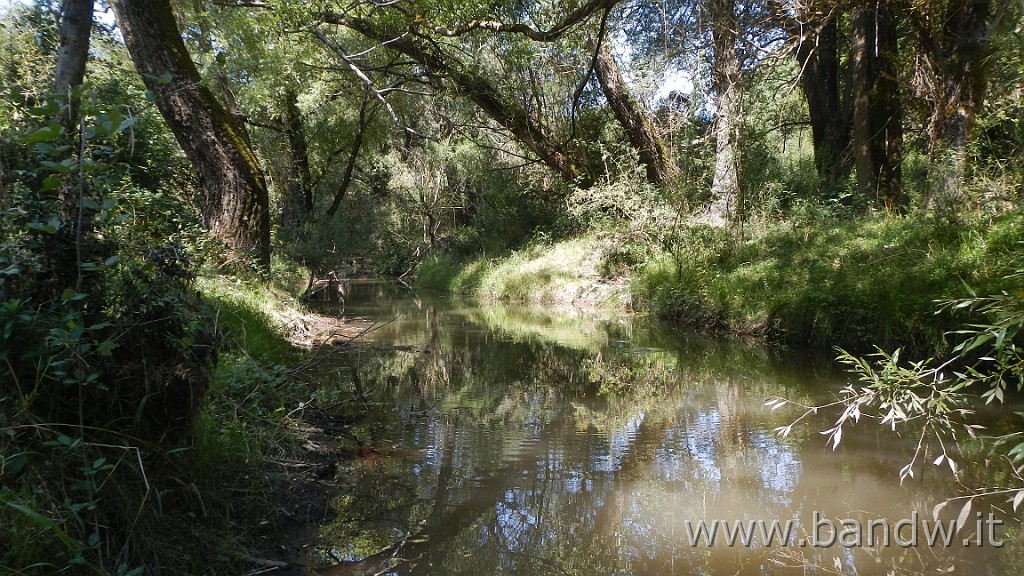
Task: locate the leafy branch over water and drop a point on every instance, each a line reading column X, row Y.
column 939, row 399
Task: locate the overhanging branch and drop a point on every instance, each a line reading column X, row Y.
column 571, row 19
column 366, row 80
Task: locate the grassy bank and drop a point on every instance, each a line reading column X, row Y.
column 572, row 272
column 852, row 283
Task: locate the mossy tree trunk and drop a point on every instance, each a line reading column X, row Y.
column 817, row 53
column 235, row 198
column 637, row 124
column 297, row 200
column 953, row 67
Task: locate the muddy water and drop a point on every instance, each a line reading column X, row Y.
column 511, row 440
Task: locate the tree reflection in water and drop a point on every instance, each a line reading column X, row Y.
column 539, row 443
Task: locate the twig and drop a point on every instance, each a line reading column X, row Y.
column 369, row 83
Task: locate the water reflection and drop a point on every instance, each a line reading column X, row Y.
column 535, row 443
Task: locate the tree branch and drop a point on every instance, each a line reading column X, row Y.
column 369, row 83
column 352, row 158
column 477, row 87
column 554, row 33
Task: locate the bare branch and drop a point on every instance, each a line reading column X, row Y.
column 274, row 127
column 366, row 80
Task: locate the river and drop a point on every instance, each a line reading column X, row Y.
column 515, row 440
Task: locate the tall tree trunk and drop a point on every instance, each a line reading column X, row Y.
column 298, row 200
column 830, row 115
column 725, row 188
column 235, row 198
column 860, row 63
column 877, row 111
column 75, row 28
column 637, row 124
column 955, row 62
column 961, row 65
column 888, row 110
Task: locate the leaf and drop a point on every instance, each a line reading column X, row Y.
column 45, row 134
column 965, row 513
column 13, row 465
column 906, row 471
column 938, row 508
column 127, row 123
column 939, row 459
column 1017, row 498
column 51, row 182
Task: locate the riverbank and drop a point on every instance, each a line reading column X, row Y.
column 856, row 283
column 573, row 272
column 270, row 395
column 230, row 492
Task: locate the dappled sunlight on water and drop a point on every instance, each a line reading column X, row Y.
column 535, row 443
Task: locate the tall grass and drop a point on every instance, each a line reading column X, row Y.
column 854, row 283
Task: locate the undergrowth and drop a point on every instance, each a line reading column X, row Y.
column 822, row 282
column 142, row 404
column 853, row 283
column 92, row 499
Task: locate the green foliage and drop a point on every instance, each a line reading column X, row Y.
column 853, row 283
column 105, row 347
column 87, row 293
column 106, row 352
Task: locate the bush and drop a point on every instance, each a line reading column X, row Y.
column 106, row 348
